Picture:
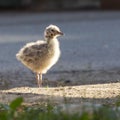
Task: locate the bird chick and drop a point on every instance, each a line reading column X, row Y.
column 41, row 55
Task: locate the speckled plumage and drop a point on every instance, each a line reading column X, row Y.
column 40, row 56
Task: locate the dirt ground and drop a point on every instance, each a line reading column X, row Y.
column 74, row 87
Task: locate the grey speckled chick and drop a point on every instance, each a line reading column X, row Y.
column 40, row 56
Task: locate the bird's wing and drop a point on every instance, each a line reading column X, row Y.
column 35, row 49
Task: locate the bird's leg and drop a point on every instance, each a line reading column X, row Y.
column 39, row 79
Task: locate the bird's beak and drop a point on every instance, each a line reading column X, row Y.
column 60, row 33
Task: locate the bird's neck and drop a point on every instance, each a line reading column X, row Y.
column 50, row 39
column 53, row 42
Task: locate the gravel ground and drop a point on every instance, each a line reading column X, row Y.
column 100, row 93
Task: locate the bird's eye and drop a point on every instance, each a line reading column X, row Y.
column 52, row 30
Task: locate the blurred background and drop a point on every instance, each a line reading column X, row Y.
column 59, row 5
column 90, row 47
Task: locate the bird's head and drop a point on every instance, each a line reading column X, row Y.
column 52, row 31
